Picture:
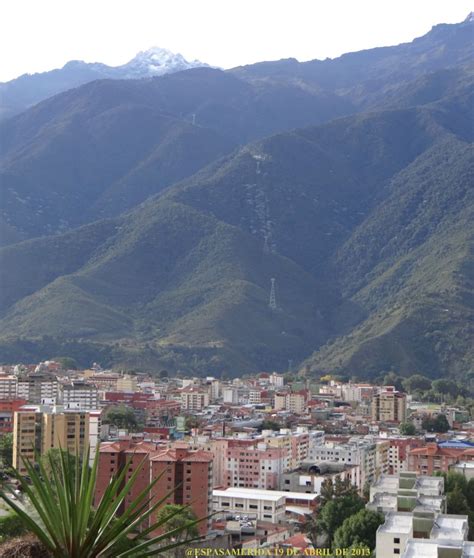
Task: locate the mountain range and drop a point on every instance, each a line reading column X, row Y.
column 20, row 93
column 144, row 220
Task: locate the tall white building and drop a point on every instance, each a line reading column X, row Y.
column 355, row 452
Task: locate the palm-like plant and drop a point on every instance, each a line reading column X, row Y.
column 69, row 526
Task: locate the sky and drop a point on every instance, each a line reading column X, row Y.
column 39, row 35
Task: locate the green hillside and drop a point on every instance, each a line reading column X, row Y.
column 363, row 222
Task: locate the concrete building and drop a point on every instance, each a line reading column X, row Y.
column 264, row 505
column 389, row 405
column 407, row 492
column 194, row 399
column 255, row 466
column 296, row 444
column 80, row 395
column 276, row 380
column 8, row 387
column 35, row 432
column 425, row 548
column 399, row 527
column 230, row 395
column 39, row 388
column 270, row 507
column 255, row 396
column 185, row 475
column 127, row 383
column 310, row 476
column 189, row 475
column 439, row 457
column 355, row 452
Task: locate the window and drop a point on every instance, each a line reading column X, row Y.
column 253, row 506
column 396, row 551
column 396, row 540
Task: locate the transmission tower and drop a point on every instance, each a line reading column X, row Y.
column 272, row 304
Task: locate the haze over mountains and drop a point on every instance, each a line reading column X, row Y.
column 142, row 220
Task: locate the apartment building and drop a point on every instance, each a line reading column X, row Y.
column 194, row 398
column 185, row 475
column 296, row 444
column 400, row 527
column 188, row 474
column 8, row 387
column 439, row 457
column 389, row 405
column 255, row 466
column 35, row 432
column 80, row 395
column 407, row 492
column 354, row 452
column 39, row 388
column 127, row 383
column 309, row 477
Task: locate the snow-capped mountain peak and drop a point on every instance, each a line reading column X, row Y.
column 157, row 61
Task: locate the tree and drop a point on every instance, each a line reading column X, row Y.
column 69, row 526
column 121, row 417
column 180, row 517
column 359, row 529
column 446, row 387
column 327, row 491
column 6, row 450
column 392, row 379
column 416, row 382
column 164, row 374
column 407, row 429
column 335, row 512
column 439, row 424
column 270, row 425
column 456, row 502
column 67, row 363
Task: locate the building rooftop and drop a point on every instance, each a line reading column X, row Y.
column 449, row 527
column 427, row 548
column 399, row 522
column 239, row 493
column 260, row 493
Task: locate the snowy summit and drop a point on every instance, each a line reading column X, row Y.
column 156, row 62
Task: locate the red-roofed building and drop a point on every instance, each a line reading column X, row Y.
column 185, row 475
column 434, row 457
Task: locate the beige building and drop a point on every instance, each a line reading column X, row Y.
column 35, row 432
column 127, row 383
column 194, row 399
column 389, row 406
